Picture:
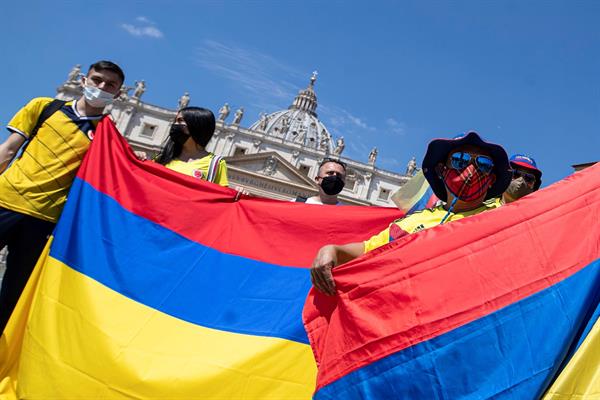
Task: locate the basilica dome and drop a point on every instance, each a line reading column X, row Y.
column 299, row 123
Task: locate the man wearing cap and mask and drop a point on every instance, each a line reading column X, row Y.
column 331, row 179
column 463, row 172
column 526, row 179
column 55, row 135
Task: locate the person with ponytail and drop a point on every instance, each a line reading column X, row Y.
column 463, row 172
column 185, row 151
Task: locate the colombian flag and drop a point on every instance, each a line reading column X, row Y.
column 415, row 195
column 501, row 305
column 158, row 285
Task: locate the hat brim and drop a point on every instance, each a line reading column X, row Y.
column 438, row 150
column 536, row 172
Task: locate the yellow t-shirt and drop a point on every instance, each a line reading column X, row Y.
column 419, row 221
column 200, row 169
column 37, row 183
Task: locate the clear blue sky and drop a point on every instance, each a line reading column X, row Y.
column 391, row 74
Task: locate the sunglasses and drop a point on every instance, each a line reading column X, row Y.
column 461, row 160
column 527, row 177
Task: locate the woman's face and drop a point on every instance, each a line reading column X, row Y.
column 180, row 121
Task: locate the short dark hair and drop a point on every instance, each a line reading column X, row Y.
column 333, row 160
column 104, row 65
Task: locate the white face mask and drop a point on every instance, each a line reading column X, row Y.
column 96, row 97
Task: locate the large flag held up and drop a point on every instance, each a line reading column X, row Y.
column 158, row 285
column 491, row 306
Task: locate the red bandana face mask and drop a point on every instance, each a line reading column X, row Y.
column 468, row 184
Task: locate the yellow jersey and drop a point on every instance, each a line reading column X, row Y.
column 37, row 183
column 201, row 169
column 419, row 221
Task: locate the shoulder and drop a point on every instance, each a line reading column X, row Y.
column 425, row 213
column 213, row 156
column 492, row 203
column 37, row 104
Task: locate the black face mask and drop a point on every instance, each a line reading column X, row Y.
column 177, row 134
column 332, row 185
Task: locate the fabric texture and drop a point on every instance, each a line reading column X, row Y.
column 200, row 169
column 160, row 285
column 37, row 183
column 490, row 306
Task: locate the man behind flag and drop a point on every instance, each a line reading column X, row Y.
column 491, row 306
column 463, row 172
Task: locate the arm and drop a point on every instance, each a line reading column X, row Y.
column 9, row 149
column 329, row 257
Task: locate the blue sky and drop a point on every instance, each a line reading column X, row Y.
column 394, row 75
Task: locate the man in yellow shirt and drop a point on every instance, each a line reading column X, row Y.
column 33, row 189
column 463, row 172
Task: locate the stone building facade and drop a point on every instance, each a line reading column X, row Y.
column 276, row 156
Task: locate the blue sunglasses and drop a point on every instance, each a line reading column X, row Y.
column 461, row 160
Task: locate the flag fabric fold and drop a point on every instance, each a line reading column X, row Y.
column 491, row 306
column 158, row 285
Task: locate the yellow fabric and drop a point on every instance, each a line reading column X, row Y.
column 14, row 332
column 199, row 168
column 123, row 349
column 581, row 377
column 421, row 220
column 37, row 183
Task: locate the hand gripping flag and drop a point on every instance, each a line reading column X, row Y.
column 491, row 306
column 158, row 285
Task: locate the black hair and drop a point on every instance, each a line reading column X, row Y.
column 201, row 125
column 333, row 160
column 104, row 65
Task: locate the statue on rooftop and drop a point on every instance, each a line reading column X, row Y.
column 224, row 112
column 75, row 74
column 184, row 101
column 411, row 168
column 373, row 156
column 140, row 88
column 339, row 146
column 237, row 117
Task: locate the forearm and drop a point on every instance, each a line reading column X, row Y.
column 348, row 252
column 9, row 149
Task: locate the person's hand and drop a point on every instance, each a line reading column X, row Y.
column 320, row 272
column 242, row 190
column 141, row 155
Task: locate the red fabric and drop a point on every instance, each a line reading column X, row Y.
column 284, row 233
column 431, row 282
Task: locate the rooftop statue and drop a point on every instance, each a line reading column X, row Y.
column 224, row 112
column 184, row 101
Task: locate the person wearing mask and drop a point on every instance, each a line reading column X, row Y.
column 526, row 179
column 185, row 148
column 463, row 172
column 33, row 189
column 331, row 179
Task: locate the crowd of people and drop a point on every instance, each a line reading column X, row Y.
column 48, row 139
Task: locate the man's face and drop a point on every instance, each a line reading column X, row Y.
column 467, row 174
column 473, row 152
column 105, row 80
column 521, row 185
column 331, row 169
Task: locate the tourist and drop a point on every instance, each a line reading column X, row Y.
column 331, row 178
column 527, row 178
column 463, row 172
column 33, row 189
column 185, row 148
